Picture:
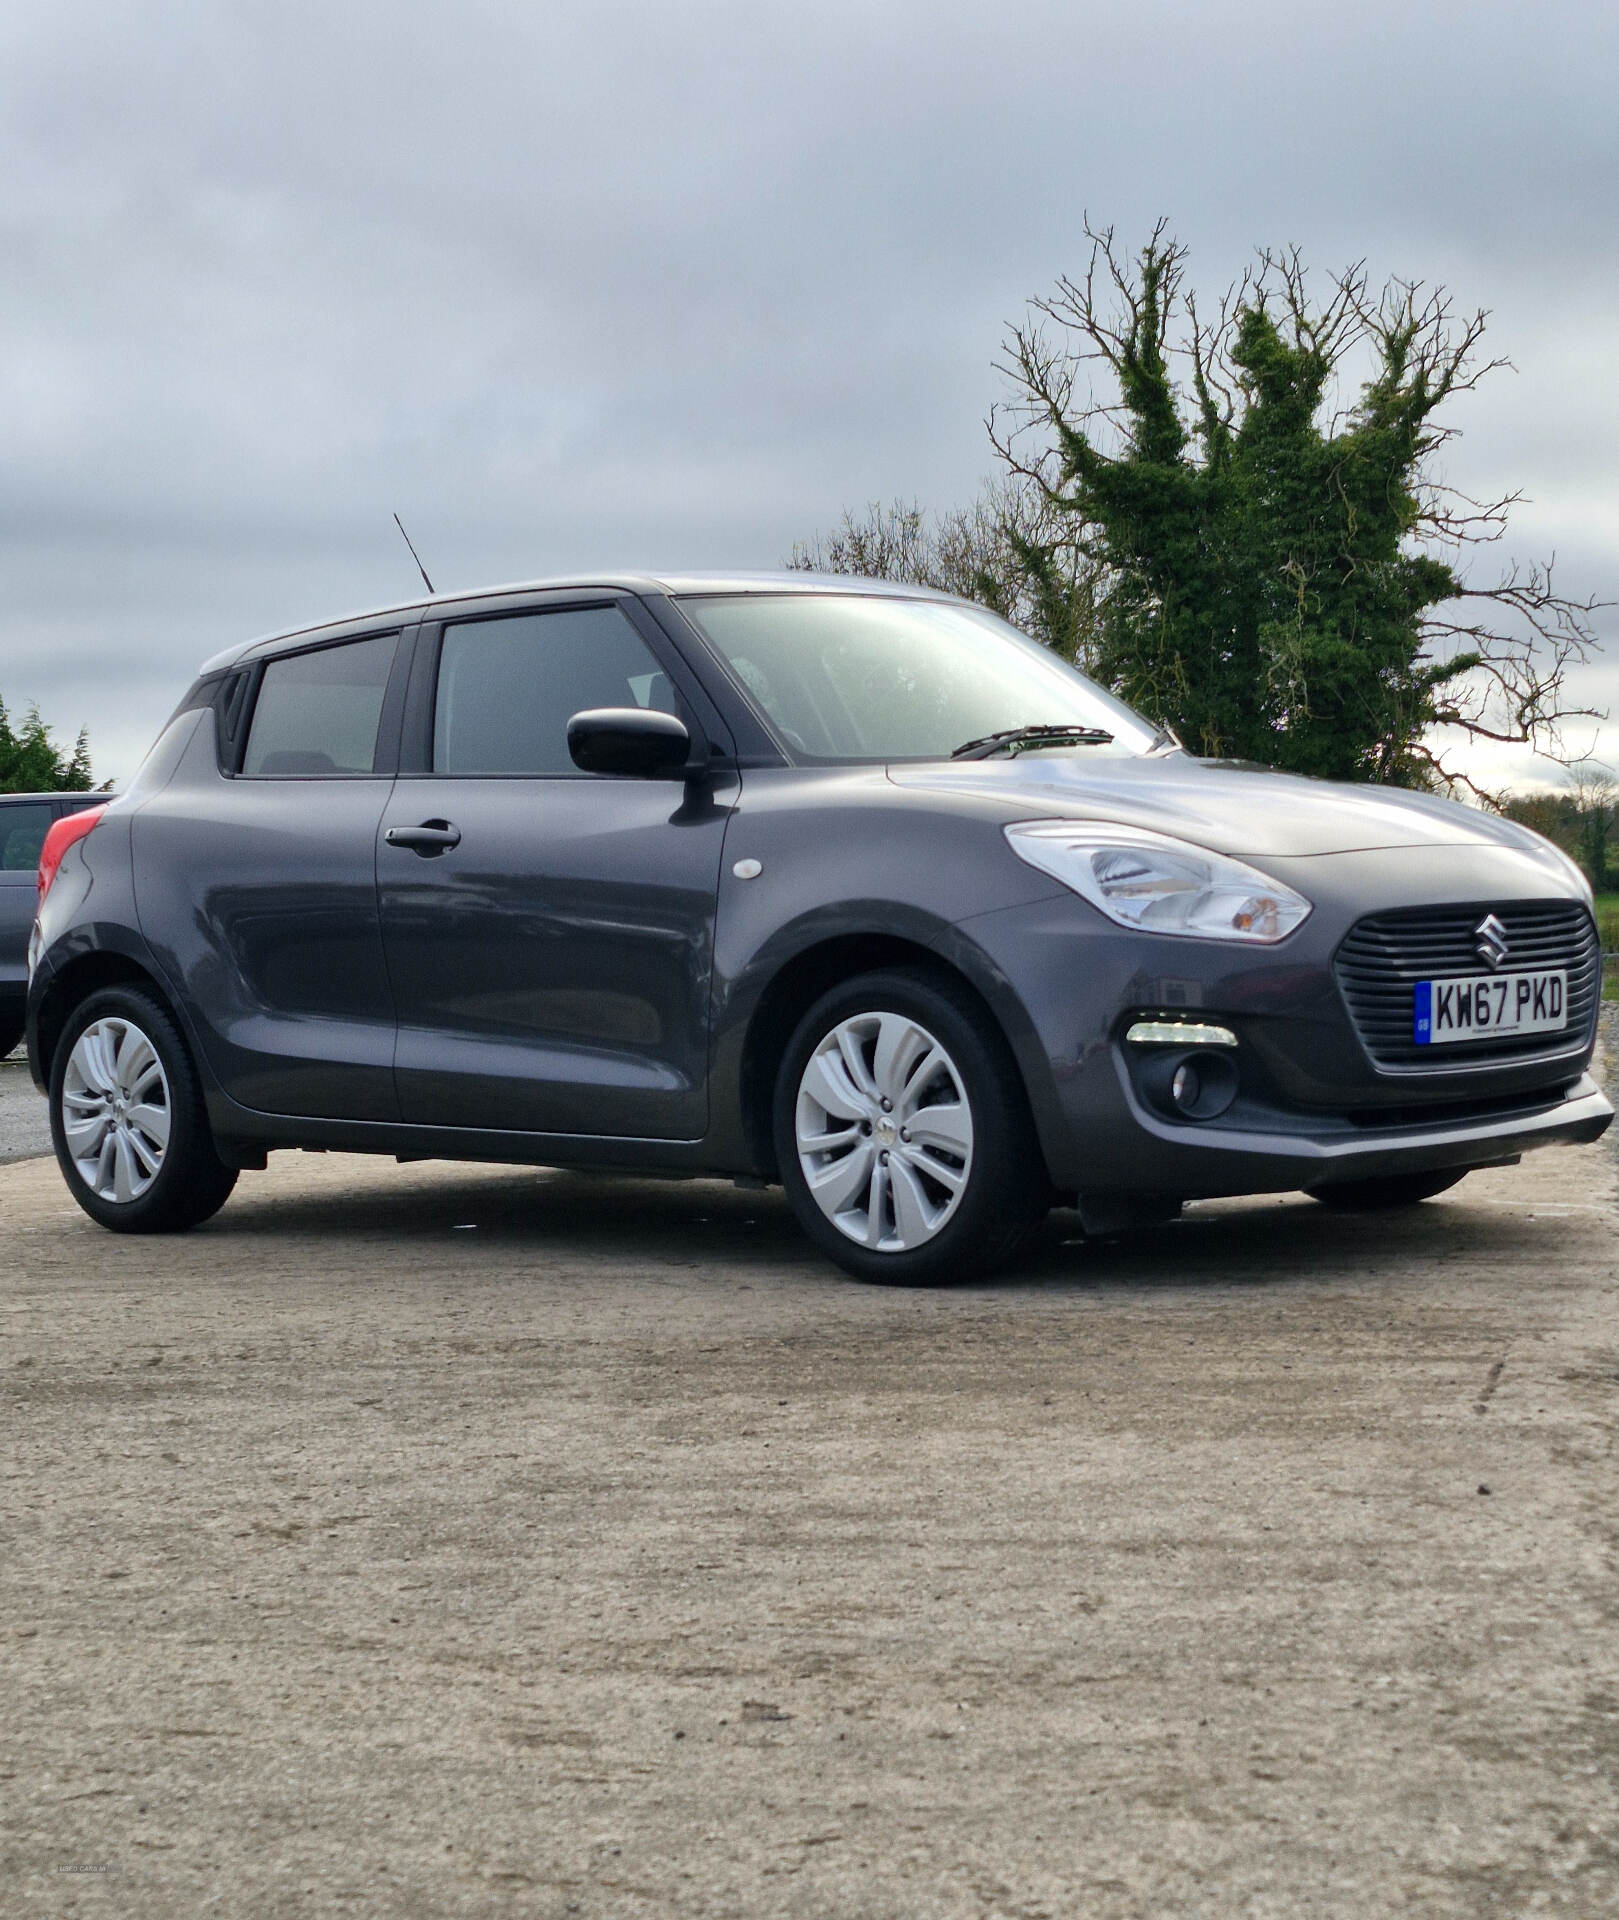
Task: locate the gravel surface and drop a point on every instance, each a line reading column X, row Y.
column 24, row 1129
column 434, row 1540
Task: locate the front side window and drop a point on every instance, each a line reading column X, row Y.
column 318, row 713
column 22, row 834
column 507, row 688
column 846, row 676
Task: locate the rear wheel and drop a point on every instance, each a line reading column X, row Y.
column 1380, row 1196
column 127, row 1118
column 903, row 1135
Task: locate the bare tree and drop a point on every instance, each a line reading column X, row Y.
column 1009, row 550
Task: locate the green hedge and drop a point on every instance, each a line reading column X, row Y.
column 1608, row 927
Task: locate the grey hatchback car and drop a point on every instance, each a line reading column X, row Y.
column 819, row 882
column 25, row 819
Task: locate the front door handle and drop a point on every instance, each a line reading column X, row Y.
column 430, row 838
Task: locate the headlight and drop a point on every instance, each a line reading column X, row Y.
column 1157, row 884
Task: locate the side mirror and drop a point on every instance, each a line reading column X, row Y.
column 636, row 740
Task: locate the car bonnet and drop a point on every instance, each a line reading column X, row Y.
column 1229, row 808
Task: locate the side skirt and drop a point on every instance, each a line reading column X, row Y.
column 244, row 1138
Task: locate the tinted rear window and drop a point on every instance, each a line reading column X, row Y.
column 22, row 834
column 317, row 714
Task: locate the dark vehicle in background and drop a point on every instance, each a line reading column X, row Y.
column 848, row 887
column 25, row 819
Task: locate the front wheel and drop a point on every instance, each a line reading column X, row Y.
column 127, row 1118
column 903, row 1135
column 1383, row 1196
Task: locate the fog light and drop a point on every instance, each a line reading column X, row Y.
column 1189, row 1086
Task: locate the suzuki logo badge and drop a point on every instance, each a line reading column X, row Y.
column 1490, row 941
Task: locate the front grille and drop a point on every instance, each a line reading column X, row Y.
column 1383, row 957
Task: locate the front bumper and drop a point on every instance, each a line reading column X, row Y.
column 1202, row 1162
column 1313, row 1105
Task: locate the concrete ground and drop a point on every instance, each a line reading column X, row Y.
column 24, row 1130
column 435, row 1540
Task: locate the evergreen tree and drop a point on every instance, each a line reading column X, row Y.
column 30, row 761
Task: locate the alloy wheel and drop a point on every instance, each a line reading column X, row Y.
column 116, row 1110
column 884, row 1131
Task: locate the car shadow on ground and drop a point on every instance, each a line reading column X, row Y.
column 673, row 1225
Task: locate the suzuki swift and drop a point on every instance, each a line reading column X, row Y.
column 847, row 887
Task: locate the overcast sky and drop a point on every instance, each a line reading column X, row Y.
column 574, row 285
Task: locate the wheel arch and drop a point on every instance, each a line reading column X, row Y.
column 73, row 982
column 801, row 980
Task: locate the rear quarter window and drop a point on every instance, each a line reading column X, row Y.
column 317, row 714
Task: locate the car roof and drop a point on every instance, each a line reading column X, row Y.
column 76, row 794
column 610, row 581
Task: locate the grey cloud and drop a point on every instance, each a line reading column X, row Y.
column 636, row 283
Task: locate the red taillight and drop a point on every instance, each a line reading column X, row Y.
column 66, row 833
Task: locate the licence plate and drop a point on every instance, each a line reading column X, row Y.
column 1485, row 1004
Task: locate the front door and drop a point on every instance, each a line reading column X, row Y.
column 549, row 933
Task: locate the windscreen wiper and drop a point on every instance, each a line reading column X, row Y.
column 1016, row 740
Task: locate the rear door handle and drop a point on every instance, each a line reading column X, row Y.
column 431, row 837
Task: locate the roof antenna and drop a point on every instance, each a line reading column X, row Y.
column 413, row 553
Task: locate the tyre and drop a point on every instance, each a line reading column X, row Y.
column 10, row 1034
column 127, row 1118
column 903, row 1135
column 1382, row 1196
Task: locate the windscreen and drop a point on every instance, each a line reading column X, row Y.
column 844, row 676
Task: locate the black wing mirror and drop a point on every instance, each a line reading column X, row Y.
column 629, row 740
